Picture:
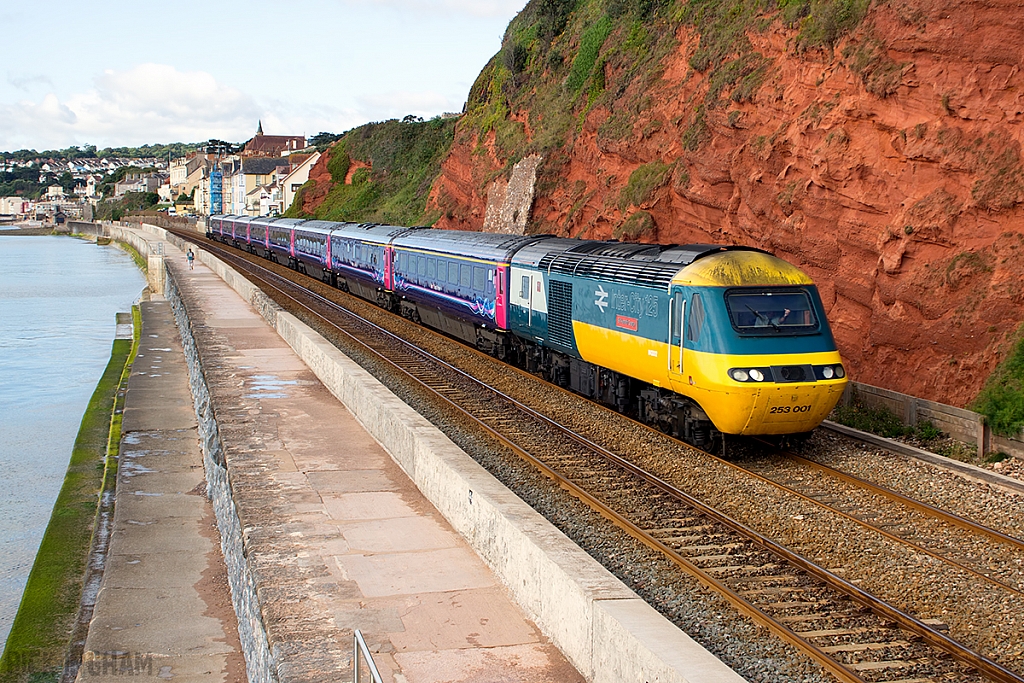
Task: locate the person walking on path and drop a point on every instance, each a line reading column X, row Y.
column 191, row 259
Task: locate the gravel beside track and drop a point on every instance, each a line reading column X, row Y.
column 978, row 614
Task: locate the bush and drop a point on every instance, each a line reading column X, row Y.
column 878, row 421
column 830, row 20
column 643, row 182
column 404, row 160
column 338, row 164
column 635, row 227
column 1001, row 400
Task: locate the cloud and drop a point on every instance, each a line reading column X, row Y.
column 148, row 103
column 154, row 103
column 26, row 82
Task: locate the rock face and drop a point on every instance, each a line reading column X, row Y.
column 889, row 168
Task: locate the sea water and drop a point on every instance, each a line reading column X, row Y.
column 58, row 300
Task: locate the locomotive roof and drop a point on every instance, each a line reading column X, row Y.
column 486, row 245
column 750, row 267
column 644, row 265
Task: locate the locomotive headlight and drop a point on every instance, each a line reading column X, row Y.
column 827, row 372
column 756, row 375
column 739, row 375
column 840, row 373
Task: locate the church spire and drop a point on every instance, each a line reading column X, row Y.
column 259, row 128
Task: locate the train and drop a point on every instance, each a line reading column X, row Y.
column 701, row 341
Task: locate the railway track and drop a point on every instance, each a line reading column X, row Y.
column 849, row 632
column 974, row 548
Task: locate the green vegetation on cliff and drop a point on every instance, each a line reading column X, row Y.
column 397, row 162
column 561, row 59
column 1001, row 401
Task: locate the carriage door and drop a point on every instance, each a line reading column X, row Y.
column 676, row 314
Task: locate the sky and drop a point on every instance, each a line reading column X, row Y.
column 115, row 74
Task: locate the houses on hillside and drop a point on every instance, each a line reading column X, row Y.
column 261, row 179
column 77, row 195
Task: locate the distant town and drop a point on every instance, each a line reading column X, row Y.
column 260, row 177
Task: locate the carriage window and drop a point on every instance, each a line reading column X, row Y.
column 421, row 265
column 696, row 322
column 453, row 273
column 524, row 292
column 403, row 262
column 479, row 278
column 432, row 268
column 759, row 311
column 467, row 276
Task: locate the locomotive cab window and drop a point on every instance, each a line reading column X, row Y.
column 696, row 320
column 761, row 311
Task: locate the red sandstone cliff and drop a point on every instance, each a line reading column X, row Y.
column 889, row 168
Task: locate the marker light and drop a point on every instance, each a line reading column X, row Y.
column 756, row 375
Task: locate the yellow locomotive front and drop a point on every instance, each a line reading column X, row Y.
column 750, row 345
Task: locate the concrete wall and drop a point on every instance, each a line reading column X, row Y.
column 963, row 425
column 259, row 662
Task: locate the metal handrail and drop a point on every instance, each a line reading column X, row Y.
column 359, row 645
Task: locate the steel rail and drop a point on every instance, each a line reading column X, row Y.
column 850, row 516
column 920, row 506
column 988, row 667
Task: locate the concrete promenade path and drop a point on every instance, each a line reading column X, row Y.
column 164, row 609
column 336, row 536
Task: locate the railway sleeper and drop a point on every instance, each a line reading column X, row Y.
column 762, row 579
column 864, row 647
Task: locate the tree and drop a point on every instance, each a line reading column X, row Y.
column 324, row 140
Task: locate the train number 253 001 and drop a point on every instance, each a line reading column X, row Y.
column 782, row 410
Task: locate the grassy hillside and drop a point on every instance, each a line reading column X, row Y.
column 396, row 164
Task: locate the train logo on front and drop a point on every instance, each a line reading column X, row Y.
column 602, row 298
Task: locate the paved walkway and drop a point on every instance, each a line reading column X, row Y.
column 164, row 608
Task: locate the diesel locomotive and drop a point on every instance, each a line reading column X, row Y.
column 699, row 340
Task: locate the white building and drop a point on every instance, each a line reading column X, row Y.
column 291, row 183
column 15, row 206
